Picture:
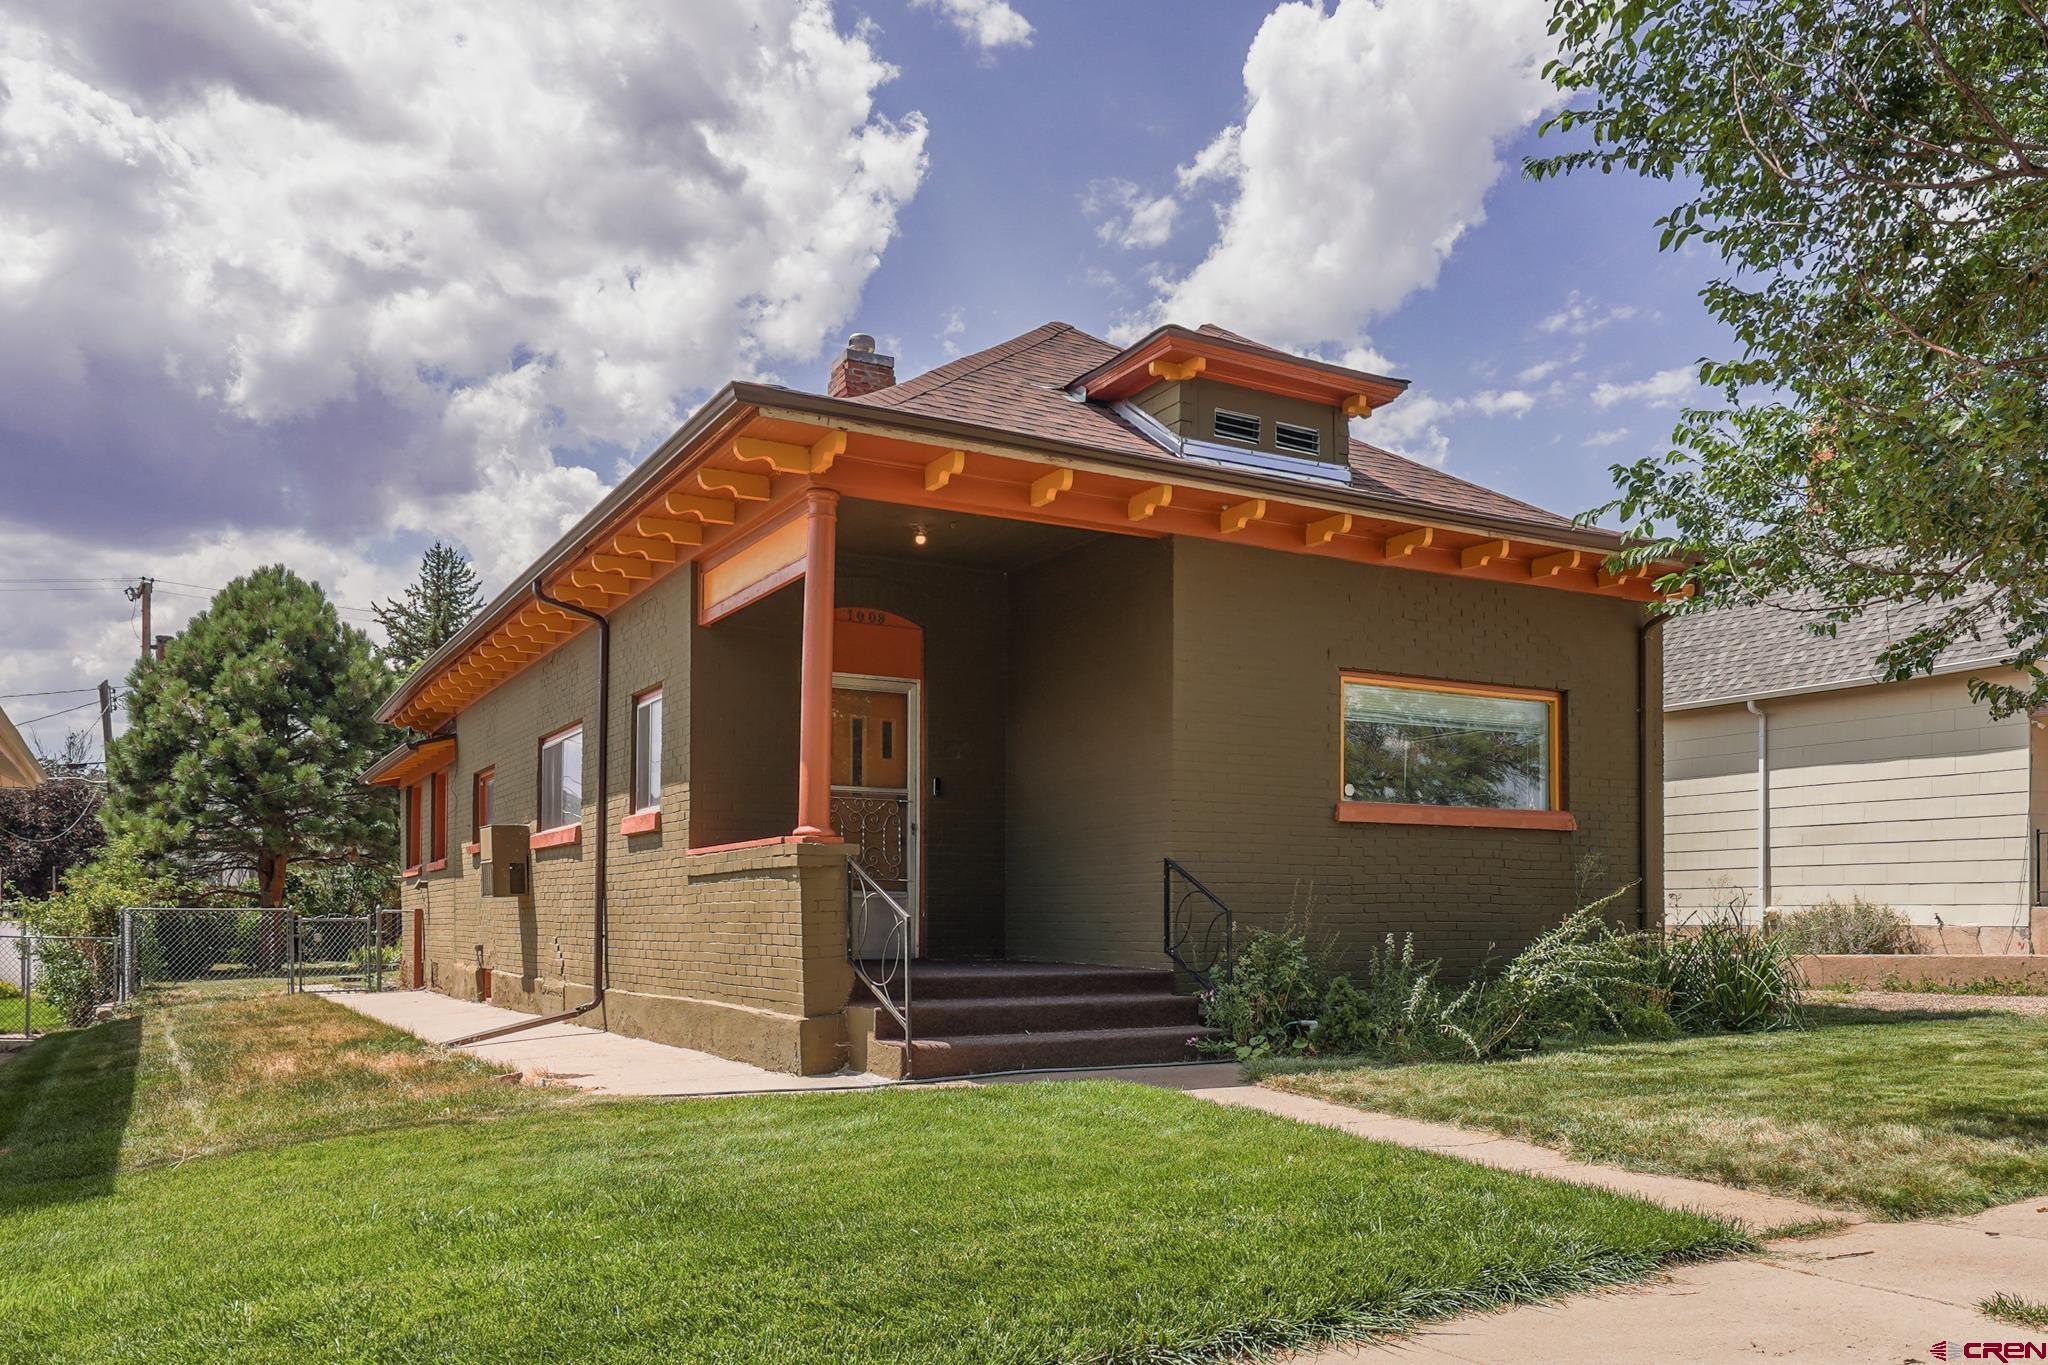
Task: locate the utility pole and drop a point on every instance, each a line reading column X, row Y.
column 106, row 719
column 140, row 593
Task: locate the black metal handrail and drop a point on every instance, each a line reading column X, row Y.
column 866, row 900
column 1184, row 900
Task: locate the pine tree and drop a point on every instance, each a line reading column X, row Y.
column 437, row 603
column 246, row 742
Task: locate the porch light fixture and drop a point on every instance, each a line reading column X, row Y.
column 918, row 538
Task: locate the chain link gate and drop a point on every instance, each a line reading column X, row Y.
column 54, row 981
column 341, row 952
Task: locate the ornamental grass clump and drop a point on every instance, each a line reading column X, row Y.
column 1579, row 980
column 1852, row 926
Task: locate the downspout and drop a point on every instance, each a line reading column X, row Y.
column 1763, row 808
column 599, row 922
column 1646, row 777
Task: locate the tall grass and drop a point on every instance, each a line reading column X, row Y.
column 1579, row 979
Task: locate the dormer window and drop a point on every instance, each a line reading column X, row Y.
column 1239, row 426
column 1296, row 439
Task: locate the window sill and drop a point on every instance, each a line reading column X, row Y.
column 557, row 838
column 412, row 871
column 1467, row 817
column 472, row 849
column 435, row 866
column 641, row 822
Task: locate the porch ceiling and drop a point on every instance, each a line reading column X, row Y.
column 889, row 529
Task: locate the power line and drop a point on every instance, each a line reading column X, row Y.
column 59, row 692
column 65, row 712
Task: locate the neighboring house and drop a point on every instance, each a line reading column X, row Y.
column 18, row 767
column 1793, row 775
column 992, row 644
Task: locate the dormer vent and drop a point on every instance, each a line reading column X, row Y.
column 1296, row 439
column 1238, row 426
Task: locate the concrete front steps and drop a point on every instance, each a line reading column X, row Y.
column 973, row 1018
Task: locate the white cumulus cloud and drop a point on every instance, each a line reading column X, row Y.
column 1129, row 217
column 282, row 272
column 1580, row 316
column 1371, row 135
column 1661, row 387
column 988, row 24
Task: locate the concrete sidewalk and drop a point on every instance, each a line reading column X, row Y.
column 1882, row 1292
column 586, row 1058
column 1758, row 1212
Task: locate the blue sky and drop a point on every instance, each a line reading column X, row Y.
column 320, row 282
column 997, row 237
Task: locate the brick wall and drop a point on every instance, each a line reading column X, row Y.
column 740, row 953
column 1259, row 641
column 1089, row 740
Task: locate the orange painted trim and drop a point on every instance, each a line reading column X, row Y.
column 879, row 644
column 1470, row 817
column 472, row 849
column 763, row 558
column 770, row 842
column 641, row 822
column 557, row 838
column 432, row 756
column 435, row 866
column 412, row 871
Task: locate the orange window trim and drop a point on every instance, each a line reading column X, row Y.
column 440, row 800
column 411, row 852
column 1470, row 817
column 1552, row 699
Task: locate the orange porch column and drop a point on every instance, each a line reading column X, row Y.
column 814, row 723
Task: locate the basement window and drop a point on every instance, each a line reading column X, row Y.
column 1238, row 426
column 1297, row 440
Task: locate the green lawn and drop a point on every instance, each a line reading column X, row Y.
column 42, row 1017
column 1904, row 1115
column 464, row 1219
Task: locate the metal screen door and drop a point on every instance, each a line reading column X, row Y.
column 875, row 781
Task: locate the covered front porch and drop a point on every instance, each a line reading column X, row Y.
column 975, row 708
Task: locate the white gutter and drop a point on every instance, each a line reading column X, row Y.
column 1763, row 808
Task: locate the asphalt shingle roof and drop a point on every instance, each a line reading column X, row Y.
column 1740, row 653
column 1021, row 385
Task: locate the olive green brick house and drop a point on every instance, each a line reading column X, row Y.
column 961, row 723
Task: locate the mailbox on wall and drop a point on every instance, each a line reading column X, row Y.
column 502, row 860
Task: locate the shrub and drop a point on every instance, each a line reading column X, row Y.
column 1727, row 977
column 1853, row 926
column 67, row 973
column 1396, row 1008
column 1265, row 998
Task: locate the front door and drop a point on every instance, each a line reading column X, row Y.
column 874, row 784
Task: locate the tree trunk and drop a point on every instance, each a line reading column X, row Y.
column 270, row 944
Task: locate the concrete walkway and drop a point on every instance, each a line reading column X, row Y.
column 588, row 1059
column 1881, row 1292
column 1757, row 1212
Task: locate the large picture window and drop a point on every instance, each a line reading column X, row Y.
column 1414, row 743
column 561, row 779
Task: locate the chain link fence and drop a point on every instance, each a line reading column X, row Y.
column 54, row 981
column 187, row 954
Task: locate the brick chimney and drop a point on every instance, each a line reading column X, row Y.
column 860, row 370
